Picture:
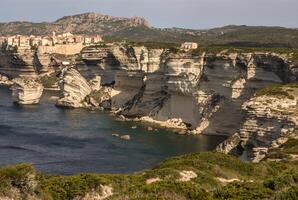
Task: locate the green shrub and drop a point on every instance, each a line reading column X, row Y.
column 170, row 189
column 69, row 187
column 15, row 176
column 49, row 81
column 245, row 191
column 283, row 180
column 275, row 90
column 288, row 194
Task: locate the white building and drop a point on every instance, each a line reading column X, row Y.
column 189, row 45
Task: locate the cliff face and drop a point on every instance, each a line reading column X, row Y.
column 26, row 91
column 205, row 91
column 74, row 89
column 270, row 120
column 24, row 62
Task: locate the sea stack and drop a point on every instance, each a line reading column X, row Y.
column 74, row 88
column 26, row 91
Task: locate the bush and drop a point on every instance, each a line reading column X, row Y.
column 291, row 193
column 69, row 187
column 275, row 90
column 49, row 81
column 243, row 191
column 170, row 190
column 282, row 181
column 15, row 176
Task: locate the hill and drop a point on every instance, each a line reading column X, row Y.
column 139, row 30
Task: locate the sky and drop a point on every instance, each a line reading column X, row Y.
column 196, row 14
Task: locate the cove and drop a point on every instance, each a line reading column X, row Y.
column 69, row 141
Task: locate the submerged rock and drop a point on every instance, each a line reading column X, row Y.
column 125, row 137
column 115, row 135
column 26, row 91
column 74, row 89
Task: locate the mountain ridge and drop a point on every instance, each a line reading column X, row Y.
column 139, row 29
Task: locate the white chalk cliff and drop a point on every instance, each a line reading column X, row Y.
column 205, row 91
column 270, row 120
column 26, row 91
column 74, row 88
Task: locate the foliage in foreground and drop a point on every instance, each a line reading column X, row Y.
column 266, row 180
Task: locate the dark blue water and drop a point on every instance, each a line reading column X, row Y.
column 66, row 141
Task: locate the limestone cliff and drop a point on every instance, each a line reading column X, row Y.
column 5, row 80
column 24, row 62
column 74, row 88
column 271, row 118
column 204, row 91
column 26, row 91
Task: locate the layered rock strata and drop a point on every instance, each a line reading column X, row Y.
column 26, row 91
column 74, row 88
column 204, row 91
column 270, row 120
column 25, row 62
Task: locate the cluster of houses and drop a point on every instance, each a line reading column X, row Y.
column 27, row 42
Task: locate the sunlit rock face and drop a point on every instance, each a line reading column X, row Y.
column 204, row 91
column 74, row 88
column 182, row 74
column 26, row 91
column 5, row 80
column 269, row 121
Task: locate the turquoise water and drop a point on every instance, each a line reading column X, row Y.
column 68, row 141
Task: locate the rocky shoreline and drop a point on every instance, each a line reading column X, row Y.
column 187, row 92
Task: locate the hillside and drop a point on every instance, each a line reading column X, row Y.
column 195, row 176
column 138, row 29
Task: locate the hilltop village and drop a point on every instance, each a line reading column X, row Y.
column 65, row 43
column 28, row 42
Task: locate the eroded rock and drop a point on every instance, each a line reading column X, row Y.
column 5, row 80
column 26, row 91
column 187, row 175
column 270, row 120
column 74, row 88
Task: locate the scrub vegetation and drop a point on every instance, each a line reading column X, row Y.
column 269, row 179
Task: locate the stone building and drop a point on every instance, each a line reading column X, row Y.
column 27, row 42
column 22, row 42
column 35, row 41
column 189, row 45
column 47, row 41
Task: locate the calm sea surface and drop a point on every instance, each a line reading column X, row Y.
column 65, row 141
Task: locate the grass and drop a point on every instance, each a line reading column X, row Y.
column 156, row 45
column 277, row 90
column 49, row 81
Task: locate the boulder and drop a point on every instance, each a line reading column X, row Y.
column 125, row 137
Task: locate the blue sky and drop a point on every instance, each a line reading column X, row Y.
column 197, row 14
